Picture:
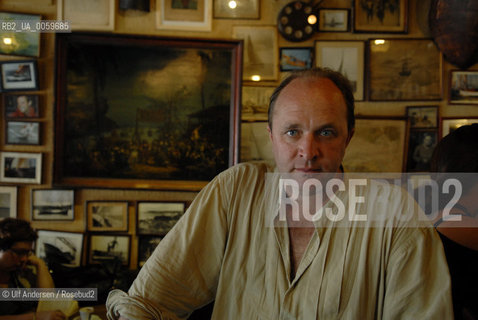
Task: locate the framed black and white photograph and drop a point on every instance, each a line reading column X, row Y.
column 295, row 58
column 423, row 116
column 146, row 246
column 22, row 132
column 20, row 167
column 346, row 57
column 19, row 75
column 463, row 87
column 421, row 144
column 334, row 20
column 52, row 204
column 8, row 202
column 157, row 218
column 21, row 106
column 107, row 215
column 65, row 248
column 105, row 247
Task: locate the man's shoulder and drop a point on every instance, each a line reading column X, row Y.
column 250, row 168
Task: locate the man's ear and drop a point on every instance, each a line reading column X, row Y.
column 351, row 134
column 270, row 132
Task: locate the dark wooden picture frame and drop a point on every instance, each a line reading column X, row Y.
column 106, row 247
column 420, row 146
column 66, row 247
column 423, row 116
column 19, row 75
column 158, row 217
column 23, row 132
column 297, row 58
column 146, row 247
column 380, row 16
column 145, row 112
column 404, row 70
column 21, row 106
column 107, row 215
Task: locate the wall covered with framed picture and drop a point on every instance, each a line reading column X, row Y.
column 149, row 139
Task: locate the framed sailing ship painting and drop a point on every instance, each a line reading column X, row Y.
column 404, row 69
column 347, row 57
column 144, row 112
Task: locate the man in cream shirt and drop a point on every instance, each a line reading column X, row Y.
column 236, row 248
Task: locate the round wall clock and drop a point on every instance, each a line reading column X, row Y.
column 297, row 21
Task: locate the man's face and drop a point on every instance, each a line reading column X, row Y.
column 22, row 103
column 309, row 127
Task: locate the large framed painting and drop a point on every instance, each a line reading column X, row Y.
column 378, row 145
column 380, row 16
column 189, row 15
column 145, row 112
column 404, row 69
column 347, row 57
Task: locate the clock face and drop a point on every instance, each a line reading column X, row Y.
column 292, row 21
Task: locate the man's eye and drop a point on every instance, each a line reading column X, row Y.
column 326, row 133
column 291, row 133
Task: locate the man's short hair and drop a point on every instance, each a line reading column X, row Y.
column 15, row 230
column 342, row 83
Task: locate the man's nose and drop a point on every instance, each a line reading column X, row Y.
column 308, row 147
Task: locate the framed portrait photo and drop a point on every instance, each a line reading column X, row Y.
column 106, row 247
column 168, row 94
column 347, row 57
column 88, row 15
column 146, row 247
column 295, row 58
column 448, row 125
column 8, row 202
column 463, row 87
column 261, row 53
column 19, row 75
column 63, row 247
column 25, row 44
column 239, row 9
column 20, row 167
column 53, row 204
column 21, row 106
column 22, row 132
column 380, row 16
column 334, row 20
column 423, row 116
column 378, row 145
column 107, row 215
column 157, row 218
column 255, row 102
column 191, row 15
column 421, row 144
column 404, row 69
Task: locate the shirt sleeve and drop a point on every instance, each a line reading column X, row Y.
column 182, row 273
column 417, row 279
